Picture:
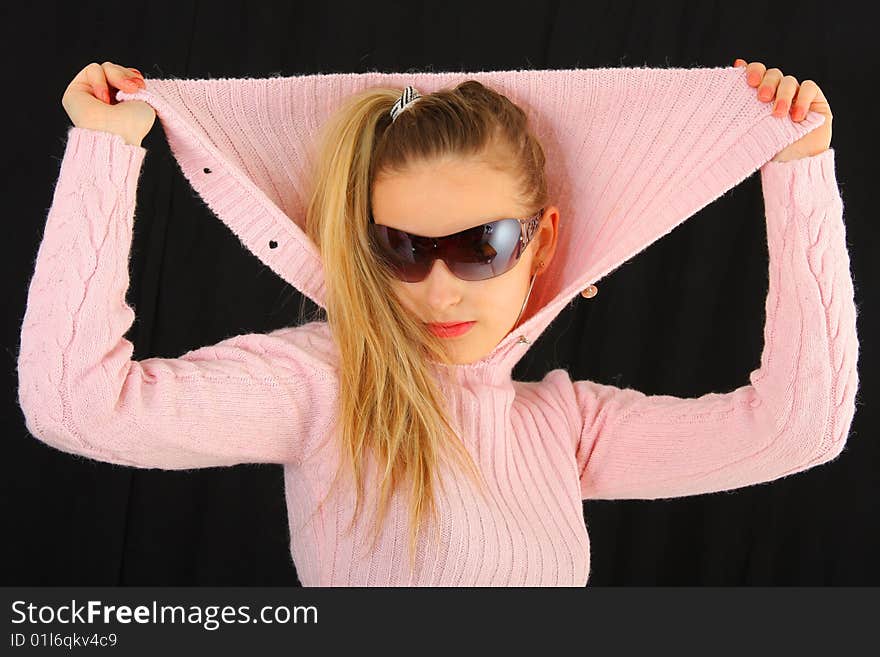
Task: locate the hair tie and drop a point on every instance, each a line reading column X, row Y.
column 407, row 98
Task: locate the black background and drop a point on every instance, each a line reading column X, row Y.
column 683, row 318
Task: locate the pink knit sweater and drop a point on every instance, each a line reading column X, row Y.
column 631, row 154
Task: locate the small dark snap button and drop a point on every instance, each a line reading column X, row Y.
column 207, row 170
column 272, row 244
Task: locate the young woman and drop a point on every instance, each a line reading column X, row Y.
column 429, row 224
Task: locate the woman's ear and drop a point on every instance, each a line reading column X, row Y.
column 546, row 238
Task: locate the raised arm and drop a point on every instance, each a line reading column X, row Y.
column 797, row 411
column 250, row 398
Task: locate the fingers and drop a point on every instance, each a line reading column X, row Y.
column 96, row 81
column 785, row 92
column 123, row 78
column 755, row 73
column 772, row 85
column 808, row 93
column 768, row 85
column 103, row 79
column 820, row 103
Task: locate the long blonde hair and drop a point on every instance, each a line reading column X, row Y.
column 390, row 403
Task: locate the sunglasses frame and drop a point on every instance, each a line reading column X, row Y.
column 527, row 229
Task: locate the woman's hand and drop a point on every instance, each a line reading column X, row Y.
column 87, row 101
column 794, row 99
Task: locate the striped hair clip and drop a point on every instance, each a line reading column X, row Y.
column 407, row 98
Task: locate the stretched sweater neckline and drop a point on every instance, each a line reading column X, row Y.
column 625, row 165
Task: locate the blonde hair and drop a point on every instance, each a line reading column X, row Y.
column 390, row 404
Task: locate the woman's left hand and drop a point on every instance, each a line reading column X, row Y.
column 793, row 99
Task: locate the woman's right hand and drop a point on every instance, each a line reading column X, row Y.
column 89, row 104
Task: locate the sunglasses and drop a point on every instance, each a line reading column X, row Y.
column 473, row 254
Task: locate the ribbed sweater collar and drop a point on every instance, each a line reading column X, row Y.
column 631, row 153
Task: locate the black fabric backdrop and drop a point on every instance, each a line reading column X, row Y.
column 683, row 318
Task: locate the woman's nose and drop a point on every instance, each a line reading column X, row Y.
column 441, row 283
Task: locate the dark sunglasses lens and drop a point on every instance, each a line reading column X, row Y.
column 484, row 251
column 407, row 257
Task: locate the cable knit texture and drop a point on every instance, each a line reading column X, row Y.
column 632, row 152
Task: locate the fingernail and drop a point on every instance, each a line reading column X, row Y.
column 137, row 82
column 137, row 71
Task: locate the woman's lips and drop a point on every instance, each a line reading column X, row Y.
column 450, row 330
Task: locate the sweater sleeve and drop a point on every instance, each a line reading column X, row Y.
column 250, row 398
column 797, row 410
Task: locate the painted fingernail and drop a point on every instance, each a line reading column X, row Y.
column 137, row 71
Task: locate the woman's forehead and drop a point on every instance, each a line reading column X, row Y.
column 444, row 200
